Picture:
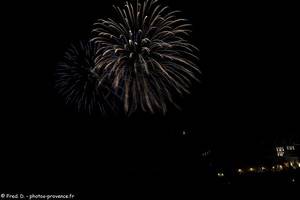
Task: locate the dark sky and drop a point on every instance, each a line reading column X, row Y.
column 248, row 92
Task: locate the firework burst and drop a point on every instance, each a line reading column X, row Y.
column 77, row 81
column 146, row 55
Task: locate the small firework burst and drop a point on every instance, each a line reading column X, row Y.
column 146, row 55
column 77, row 81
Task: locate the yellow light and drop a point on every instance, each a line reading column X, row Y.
column 251, row 169
column 240, row 170
column 220, row 174
column 263, row 168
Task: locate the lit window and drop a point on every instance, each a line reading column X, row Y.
column 290, row 148
column 286, row 164
column 280, row 154
column 279, row 149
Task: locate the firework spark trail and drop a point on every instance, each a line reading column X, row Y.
column 146, row 55
column 77, row 81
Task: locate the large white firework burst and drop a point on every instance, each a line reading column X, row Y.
column 78, row 83
column 145, row 53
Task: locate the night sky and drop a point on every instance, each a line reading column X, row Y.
column 248, row 95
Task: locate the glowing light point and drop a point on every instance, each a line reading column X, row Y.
column 221, row 174
column 293, row 180
column 251, row 169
